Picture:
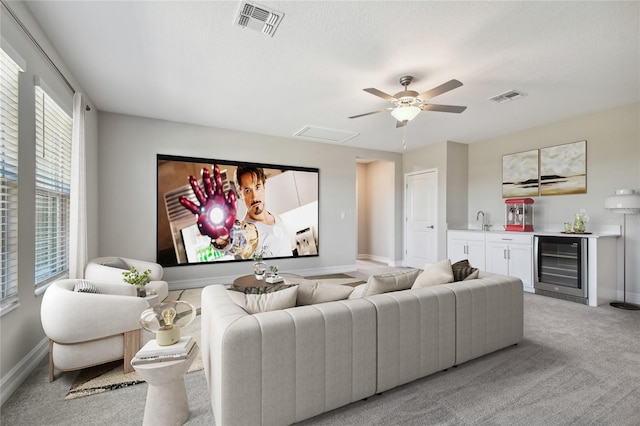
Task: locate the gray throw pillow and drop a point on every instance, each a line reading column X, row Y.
column 391, row 281
column 117, row 263
column 462, row 270
column 83, row 286
column 268, row 298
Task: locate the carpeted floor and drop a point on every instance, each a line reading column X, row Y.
column 577, row 365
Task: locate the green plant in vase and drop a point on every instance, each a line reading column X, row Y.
column 140, row 280
column 259, row 267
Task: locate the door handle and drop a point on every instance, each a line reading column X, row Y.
column 430, row 226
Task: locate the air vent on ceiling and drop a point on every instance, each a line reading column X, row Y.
column 258, row 18
column 325, row 135
column 511, row 95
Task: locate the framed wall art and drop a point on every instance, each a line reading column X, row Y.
column 563, row 169
column 520, row 174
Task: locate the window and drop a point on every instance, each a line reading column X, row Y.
column 53, row 183
column 9, row 74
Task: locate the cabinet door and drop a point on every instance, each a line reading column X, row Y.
column 520, row 263
column 476, row 254
column 496, row 258
column 456, row 250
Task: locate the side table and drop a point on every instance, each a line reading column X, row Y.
column 167, row 394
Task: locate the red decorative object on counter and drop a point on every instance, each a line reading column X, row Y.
column 519, row 214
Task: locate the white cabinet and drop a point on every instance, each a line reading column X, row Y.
column 467, row 245
column 511, row 254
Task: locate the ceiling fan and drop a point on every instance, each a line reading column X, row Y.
column 408, row 104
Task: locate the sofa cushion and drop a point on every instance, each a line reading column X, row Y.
column 462, row 270
column 311, row 292
column 435, row 274
column 267, row 298
column 391, row 281
column 84, row 286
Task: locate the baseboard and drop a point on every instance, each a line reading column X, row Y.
column 380, row 259
column 19, row 373
column 203, row 282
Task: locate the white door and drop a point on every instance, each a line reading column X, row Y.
column 421, row 212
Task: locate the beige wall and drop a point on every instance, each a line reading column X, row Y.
column 127, row 182
column 377, row 211
column 613, row 150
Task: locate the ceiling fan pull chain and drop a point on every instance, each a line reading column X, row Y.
column 404, row 136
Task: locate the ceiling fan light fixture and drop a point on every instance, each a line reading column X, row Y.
column 405, row 113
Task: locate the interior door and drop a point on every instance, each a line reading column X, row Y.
column 421, row 211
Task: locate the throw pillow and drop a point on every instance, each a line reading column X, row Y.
column 83, row 286
column 268, row 298
column 462, row 270
column 358, row 291
column 392, row 281
column 435, row 274
column 117, row 263
column 311, row 292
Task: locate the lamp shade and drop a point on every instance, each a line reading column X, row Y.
column 624, row 201
column 405, row 113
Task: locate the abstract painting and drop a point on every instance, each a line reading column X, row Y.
column 563, row 169
column 520, row 174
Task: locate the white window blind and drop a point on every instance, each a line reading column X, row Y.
column 53, row 183
column 9, row 74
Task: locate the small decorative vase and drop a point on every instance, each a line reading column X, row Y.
column 578, row 224
column 259, row 269
column 142, row 291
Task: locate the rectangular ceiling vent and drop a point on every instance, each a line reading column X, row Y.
column 509, row 96
column 259, row 18
column 323, row 134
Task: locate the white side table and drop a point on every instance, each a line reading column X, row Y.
column 167, row 395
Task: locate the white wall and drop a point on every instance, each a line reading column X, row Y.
column 613, row 150
column 23, row 343
column 127, row 187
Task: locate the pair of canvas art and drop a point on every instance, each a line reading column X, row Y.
column 555, row 170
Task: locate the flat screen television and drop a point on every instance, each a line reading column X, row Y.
column 212, row 210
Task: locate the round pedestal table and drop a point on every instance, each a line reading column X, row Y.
column 167, row 395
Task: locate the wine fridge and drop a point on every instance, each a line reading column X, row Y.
column 561, row 268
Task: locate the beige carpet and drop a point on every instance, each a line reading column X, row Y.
column 106, row 377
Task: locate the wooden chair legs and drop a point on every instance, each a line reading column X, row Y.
column 131, row 347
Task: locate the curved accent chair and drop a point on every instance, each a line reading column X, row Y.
column 87, row 329
column 110, row 268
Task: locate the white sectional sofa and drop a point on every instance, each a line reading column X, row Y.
column 281, row 367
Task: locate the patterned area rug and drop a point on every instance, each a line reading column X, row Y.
column 106, row 377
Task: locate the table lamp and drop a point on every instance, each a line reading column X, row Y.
column 625, row 202
column 166, row 320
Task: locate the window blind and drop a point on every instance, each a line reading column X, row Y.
column 9, row 74
column 53, row 183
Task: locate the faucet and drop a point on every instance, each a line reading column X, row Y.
column 485, row 226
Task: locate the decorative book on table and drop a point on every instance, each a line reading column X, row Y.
column 152, row 352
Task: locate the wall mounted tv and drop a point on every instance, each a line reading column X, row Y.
column 212, row 211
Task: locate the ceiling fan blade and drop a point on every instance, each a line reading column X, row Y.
column 369, row 113
column 401, row 123
column 380, row 94
column 443, row 88
column 443, row 108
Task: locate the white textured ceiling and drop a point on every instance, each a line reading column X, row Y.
column 186, row 61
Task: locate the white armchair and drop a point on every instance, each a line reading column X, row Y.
column 109, row 269
column 86, row 329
